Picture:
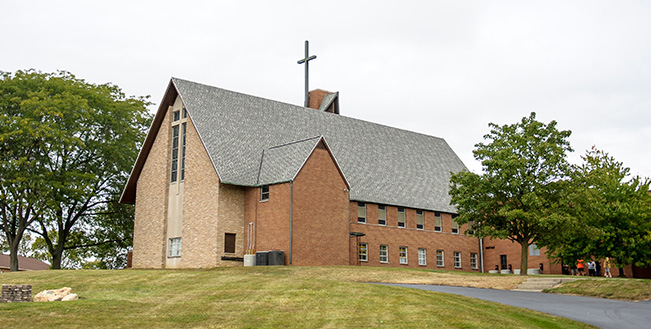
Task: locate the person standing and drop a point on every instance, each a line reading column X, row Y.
column 597, row 268
column 591, row 268
column 580, row 266
column 607, row 268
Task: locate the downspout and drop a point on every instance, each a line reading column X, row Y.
column 291, row 218
column 481, row 253
column 348, row 219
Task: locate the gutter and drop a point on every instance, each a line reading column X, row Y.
column 291, row 218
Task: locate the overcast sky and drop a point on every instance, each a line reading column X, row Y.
column 442, row 68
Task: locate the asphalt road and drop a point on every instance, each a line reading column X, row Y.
column 604, row 313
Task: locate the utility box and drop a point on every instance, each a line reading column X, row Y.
column 261, row 258
column 249, row 260
column 276, row 257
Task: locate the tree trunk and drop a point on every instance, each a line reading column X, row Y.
column 524, row 258
column 13, row 256
column 621, row 272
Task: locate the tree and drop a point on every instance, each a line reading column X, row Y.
column 611, row 214
column 90, row 142
column 516, row 197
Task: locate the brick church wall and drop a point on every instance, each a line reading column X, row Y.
column 201, row 204
column 412, row 238
column 271, row 218
column 149, row 232
column 320, row 212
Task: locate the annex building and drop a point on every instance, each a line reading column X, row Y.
column 222, row 174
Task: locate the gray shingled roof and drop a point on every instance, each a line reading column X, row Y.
column 382, row 164
column 282, row 163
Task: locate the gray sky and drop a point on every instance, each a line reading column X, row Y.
column 442, row 68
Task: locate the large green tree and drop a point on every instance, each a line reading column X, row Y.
column 86, row 138
column 610, row 211
column 518, row 193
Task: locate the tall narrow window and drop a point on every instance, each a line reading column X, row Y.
column 382, row 215
column 361, row 212
column 403, row 255
column 363, row 252
column 174, row 247
column 183, row 127
column 440, row 261
column 420, row 220
column 384, row 253
column 176, row 115
column 175, row 153
column 422, row 256
column 401, row 217
column 264, row 193
column 229, row 243
column 473, row 261
column 457, row 259
column 455, row 225
column 437, row 222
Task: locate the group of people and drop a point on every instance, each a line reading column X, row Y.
column 593, row 266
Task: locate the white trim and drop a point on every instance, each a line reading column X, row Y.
column 403, row 260
column 442, row 264
column 422, row 257
column 359, row 252
column 386, row 254
column 457, row 264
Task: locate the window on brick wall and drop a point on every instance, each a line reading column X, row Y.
column 384, row 253
column 361, row 212
column 229, row 243
column 422, row 256
column 403, row 255
column 440, row 261
column 264, row 193
column 473, row 261
column 363, row 252
column 457, row 259
column 174, row 247
column 382, row 215
column 401, row 217
column 437, row 222
column 455, row 225
column 533, row 250
column 420, row 220
column 175, row 154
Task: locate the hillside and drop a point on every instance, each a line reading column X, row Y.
column 266, row 297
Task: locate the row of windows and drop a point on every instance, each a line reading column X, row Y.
column 420, row 218
column 422, row 256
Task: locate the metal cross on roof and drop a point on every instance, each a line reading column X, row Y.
column 306, row 60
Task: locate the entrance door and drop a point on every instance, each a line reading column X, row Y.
column 503, row 262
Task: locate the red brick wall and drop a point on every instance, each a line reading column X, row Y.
column 271, row 218
column 513, row 254
column 410, row 237
column 320, row 213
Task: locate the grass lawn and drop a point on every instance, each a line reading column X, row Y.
column 613, row 288
column 262, row 297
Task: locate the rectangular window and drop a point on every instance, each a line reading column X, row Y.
column 183, row 128
column 363, row 252
column 420, row 220
column 382, row 215
column 403, row 255
column 176, row 115
column 473, row 261
column 174, row 248
column 229, row 243
column 384, row 253
column 533, row 250
column 401, row 217
column 437, row 222
column 361, row 212
column 264, row 193
column 422, row 256
column 455, row 225
column 457, row 259
column 185, row 113
column 175, row 153
column 439, row 258
column 471, row 229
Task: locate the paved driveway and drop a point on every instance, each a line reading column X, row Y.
column 604, row 313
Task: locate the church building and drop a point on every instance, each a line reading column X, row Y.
column 223, row 174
